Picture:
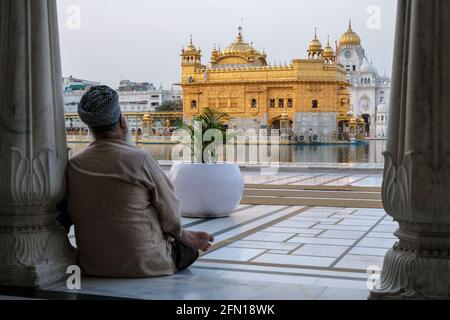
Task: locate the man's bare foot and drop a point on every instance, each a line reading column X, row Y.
column 197, row 239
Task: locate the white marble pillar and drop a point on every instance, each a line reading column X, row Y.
column 416, row 188
column 34, row 250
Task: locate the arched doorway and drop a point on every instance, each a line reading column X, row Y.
column 275, row 125
column 367, row 120
column 284, row 124
column 343, row 130
column 280, row 123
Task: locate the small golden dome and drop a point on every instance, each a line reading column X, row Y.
column 147, row 117
column 328, row 52
column 350, row 38
column 214, row 51
column 191, row 48
column 315, row 44
column 315, row 47
column 214, row 54
column 353, row 121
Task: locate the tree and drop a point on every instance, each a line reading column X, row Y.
column 171, row 106
column 208, row 119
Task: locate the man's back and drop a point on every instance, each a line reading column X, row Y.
column 118, row 211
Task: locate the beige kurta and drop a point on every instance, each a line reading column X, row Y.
column 123, row 208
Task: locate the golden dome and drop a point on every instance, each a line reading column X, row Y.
column 238, row 53
column 315, row 44
column 360, row 121
column 239, row 45
column 353, row 121
column 328, row 52
column 315, row 48
column 214, row 54
column 147, row 117
column 191, row 48
column 350, row 38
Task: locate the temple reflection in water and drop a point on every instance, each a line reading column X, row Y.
column 369, row 152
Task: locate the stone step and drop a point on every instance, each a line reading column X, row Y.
column 353, row 197
column 313, row 194
column 305, row 187
column 309, row 201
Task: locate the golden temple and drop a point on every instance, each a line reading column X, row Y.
column 307, row 96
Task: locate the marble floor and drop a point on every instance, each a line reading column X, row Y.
column 272, row 252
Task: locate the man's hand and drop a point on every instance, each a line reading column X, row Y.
column 197, row 239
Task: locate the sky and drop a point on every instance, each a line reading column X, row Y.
column 140, row 40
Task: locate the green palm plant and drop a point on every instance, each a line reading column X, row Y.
column 209, row 119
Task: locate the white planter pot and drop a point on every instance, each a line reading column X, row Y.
column 207, row 190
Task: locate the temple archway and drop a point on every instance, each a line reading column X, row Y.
column 280, row 122
column 367, row 119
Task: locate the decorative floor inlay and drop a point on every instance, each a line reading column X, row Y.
column 339, row 240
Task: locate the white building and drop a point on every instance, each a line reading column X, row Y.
column 138, row 98
column 135, row 100
column 144, row 96
column 73, row 91
column 370, row 93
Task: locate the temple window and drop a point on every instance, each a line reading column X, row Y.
column 315, row 104
column 223, row 103
column 254, row 104
column 234, row 102
column 272, row 103
column 193, row 104
column 289, row 103
column 280, row 103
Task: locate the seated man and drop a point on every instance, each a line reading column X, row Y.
column 127, row 219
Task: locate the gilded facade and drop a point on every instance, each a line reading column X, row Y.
column 309, row 96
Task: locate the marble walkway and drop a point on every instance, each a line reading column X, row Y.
column 273, row 252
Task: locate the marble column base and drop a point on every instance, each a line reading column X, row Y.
column 34, row 256
column 414, row 276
